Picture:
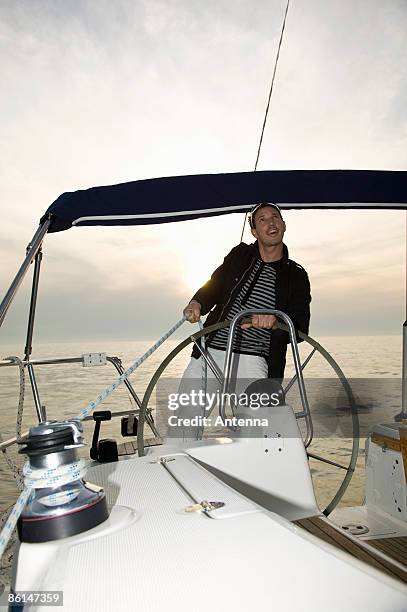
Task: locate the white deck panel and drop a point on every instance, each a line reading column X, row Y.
column 164, row 560
column 203, row 486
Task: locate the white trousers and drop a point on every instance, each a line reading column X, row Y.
column 245, row 369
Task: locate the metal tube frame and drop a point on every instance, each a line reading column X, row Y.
column 215, row 369
column 30, row 330
column 219, row 376
column 36, row 395
column 32, row 250
column 119, row 367
column 115, row 361
column 33, row 303
column 403, row 413
column 9, row 442
column 404, row 394
column 297, row 364
column 401, row 416
column 212, row 365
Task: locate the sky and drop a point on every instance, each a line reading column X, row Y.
column 98, row 92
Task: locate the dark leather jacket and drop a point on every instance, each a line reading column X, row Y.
column 292, row 297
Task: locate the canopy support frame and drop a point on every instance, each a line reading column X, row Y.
column 401, row 416
column 30, row 330
column 32, row 249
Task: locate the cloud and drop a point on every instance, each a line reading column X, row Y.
column 103, row 92
column 340, row 78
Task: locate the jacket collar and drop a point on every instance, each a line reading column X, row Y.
column 255, row 247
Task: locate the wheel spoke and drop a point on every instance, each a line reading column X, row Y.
column 294, row 378
column 319, row 458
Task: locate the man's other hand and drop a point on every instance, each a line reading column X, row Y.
column 260, row 322
column 192, row 311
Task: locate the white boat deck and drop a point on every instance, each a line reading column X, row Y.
column 152, row 555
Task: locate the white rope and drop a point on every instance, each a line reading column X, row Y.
column 11, row 522
column 109, row 390
column 43, row 479
column 62, row 475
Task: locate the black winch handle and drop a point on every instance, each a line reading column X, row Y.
column 98, row 417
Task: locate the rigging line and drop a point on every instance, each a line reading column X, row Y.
column 268, row 102
column 271, row 86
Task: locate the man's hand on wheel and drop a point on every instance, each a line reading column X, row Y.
column 260, row 322
column 192, row 311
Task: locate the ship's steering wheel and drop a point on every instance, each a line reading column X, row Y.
column 350, row 469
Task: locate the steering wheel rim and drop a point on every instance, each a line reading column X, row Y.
column 318, row 347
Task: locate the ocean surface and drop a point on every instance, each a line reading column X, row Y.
column 65, row 389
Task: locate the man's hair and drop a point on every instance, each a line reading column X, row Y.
column 257, row 207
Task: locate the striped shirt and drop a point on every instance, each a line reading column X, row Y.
column 259, row 291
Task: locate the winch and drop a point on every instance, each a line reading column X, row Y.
column 61, row 503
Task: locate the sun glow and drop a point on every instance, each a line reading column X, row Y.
column 197, row 271
column 202, row 246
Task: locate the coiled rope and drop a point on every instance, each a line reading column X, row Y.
column 41, row 479
column 44, row 478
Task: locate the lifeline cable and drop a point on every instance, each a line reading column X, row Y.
column 16, row 471
column 10, row 523
column 268, row 103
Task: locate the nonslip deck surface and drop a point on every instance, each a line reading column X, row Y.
column 395, row 548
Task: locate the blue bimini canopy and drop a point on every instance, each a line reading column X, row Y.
column 178, row 198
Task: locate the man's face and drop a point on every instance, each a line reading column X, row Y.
column 269, row 227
